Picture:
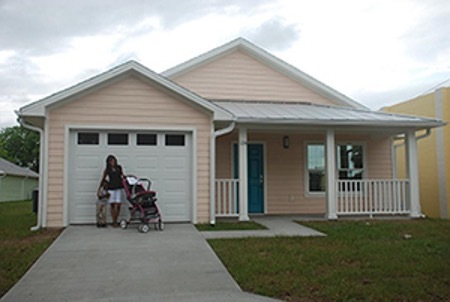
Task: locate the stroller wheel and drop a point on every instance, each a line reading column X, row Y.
column 144, row 228
column 123, row 224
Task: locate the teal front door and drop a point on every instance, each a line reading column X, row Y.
column 255, row 167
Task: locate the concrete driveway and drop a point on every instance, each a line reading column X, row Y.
column 90, row 264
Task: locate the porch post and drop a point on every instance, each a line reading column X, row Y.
column 330, row 150
column 412, row 168
column 243, row 179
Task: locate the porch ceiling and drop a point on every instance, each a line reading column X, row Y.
column 257, row 112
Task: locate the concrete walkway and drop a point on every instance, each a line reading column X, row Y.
column 90, row 264
column 277, row 226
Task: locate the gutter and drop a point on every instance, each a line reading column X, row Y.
column 426, row 134
column 38, row 226
column 396, row 146
column 212, row 167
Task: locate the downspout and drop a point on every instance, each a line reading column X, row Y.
column 41, row 178
column 397, row 138
column 212, row 165
column 425, row 135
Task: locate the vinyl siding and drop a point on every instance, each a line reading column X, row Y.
column 285, row 168
column 131, row 103
column 239, row 76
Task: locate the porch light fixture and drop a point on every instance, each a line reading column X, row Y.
column 286, row 142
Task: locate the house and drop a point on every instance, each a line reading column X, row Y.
column 433, row 151
column 232, row 132
column 16, row 183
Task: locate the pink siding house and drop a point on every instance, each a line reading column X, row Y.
column 231, row 133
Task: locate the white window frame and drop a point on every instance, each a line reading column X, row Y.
column 307, row 192
column 338, row 143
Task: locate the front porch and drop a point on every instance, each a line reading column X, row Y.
column 303, row 158
column 325, row 172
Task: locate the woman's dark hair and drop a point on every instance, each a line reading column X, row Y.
column 108, row 166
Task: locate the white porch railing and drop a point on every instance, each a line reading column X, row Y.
column 227, row 197
column 353, row 197
column 372, row 196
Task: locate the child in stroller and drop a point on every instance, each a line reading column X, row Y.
column 144, row 207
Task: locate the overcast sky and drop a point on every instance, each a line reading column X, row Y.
column 375, row 51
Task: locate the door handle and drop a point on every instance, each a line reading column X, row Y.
column 261, row 179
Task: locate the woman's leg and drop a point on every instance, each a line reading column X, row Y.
column 113, row 213
column 118, row 210
column 98, row 214
column 103, row 211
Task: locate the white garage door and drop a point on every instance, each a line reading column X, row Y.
column 163, row 157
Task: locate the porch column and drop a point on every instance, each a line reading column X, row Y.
column 243, row 178
column 412, row 169
column 330, row 149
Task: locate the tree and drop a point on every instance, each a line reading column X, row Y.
column 20, row 146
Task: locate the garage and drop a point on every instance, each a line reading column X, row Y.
column 165, row 157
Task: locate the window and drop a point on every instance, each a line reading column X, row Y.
column 117, row 139
column 88, row 138
column 175, row 140
column 350, row 164
column 143, row 139
column 316, row 168
column 350, row 161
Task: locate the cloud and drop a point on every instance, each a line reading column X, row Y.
column 15, row 73
column 428, row 39
column 274, row 34
column 47, row 26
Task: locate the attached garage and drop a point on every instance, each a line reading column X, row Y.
column 164, row 157
column 155, row 128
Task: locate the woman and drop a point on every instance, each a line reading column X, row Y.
column 113, row 173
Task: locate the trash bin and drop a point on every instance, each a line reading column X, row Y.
column 35, row 200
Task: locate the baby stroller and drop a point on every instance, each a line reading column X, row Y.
column 144, row 207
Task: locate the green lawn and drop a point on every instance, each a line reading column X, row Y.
column 230, row 226
column 358, row 260
column 19, row 247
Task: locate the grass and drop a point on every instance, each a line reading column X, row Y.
column 358, row 260
column 230, row 226
column 19, row 247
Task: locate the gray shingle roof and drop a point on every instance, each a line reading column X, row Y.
column 9, row 168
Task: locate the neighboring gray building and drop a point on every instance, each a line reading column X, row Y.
column 16, row 183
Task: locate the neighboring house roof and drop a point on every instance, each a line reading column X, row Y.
column 8, row 168
column 270, row 60
column 312, row 114
column 38, row 108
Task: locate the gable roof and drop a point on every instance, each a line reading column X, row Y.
column 38, row 108
column 8, row 168
column 258, row 112
column 266, row 58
